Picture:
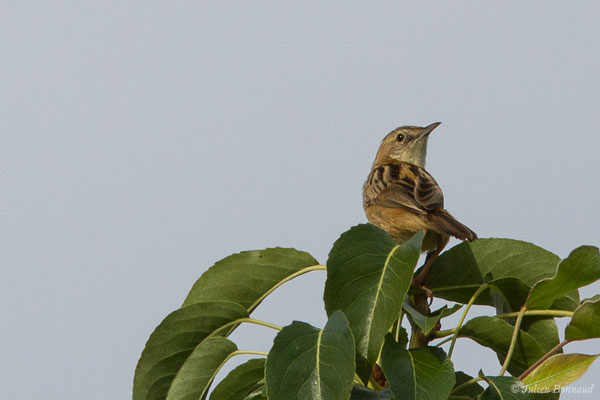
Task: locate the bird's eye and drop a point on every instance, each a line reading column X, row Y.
column 400, row 137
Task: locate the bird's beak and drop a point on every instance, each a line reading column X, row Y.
column 428, row 129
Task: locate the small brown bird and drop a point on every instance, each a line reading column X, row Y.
column 401, row 198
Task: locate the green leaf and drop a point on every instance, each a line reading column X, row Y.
column 545, row 396
column 457, row 273
column 591, row 299
column 487, row 259
column 368, row 275
column 507, row 294
column 199, row 369
column 308, row 363
column 496, row 334
column 470, row 391
column 402, row 337
column 256, row 396
column 363, row 393
column 543, row 330
column 241, row 382
column 173, row 341
column 580, row 268
column 445, row 311
column 504, row 388
column 247, row 277
column 427, row 323
column 420, row 373
column 559, row 370
column 585, row 322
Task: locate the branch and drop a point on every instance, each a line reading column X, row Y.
column 544, row 358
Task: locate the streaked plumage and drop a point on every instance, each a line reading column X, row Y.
column 401, row 197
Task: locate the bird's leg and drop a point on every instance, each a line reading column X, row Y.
column 422, row 302
column 421, row 279
column 378, row 376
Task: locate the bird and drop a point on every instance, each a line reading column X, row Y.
column 401, row 197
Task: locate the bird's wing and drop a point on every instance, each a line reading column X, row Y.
column 402, row 185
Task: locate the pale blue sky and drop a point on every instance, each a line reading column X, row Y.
column 143, row 141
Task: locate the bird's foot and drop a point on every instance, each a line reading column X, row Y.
column 424, row 288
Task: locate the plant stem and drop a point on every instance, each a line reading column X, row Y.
column 549, row 313
column 464, row 315
column 443, row 342
column 414, row 333
column 513, row 341
column 444, row 333
column 252, row 321
column 399, row 325
column 465, row 384
column 544, row 358
column 251, row 352
column 260, row 322
column 296, row 274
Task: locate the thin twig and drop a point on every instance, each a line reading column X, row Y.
column 544, row 358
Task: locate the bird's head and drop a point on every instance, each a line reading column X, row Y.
column 407, row 143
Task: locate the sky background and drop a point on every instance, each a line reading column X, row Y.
column 144, row 141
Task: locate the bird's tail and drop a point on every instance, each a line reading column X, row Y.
column 450, row 226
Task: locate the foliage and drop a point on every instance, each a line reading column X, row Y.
column 363, row 352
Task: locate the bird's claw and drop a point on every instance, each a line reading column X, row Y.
column 424, row 288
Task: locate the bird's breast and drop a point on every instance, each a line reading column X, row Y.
column 401, row 224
